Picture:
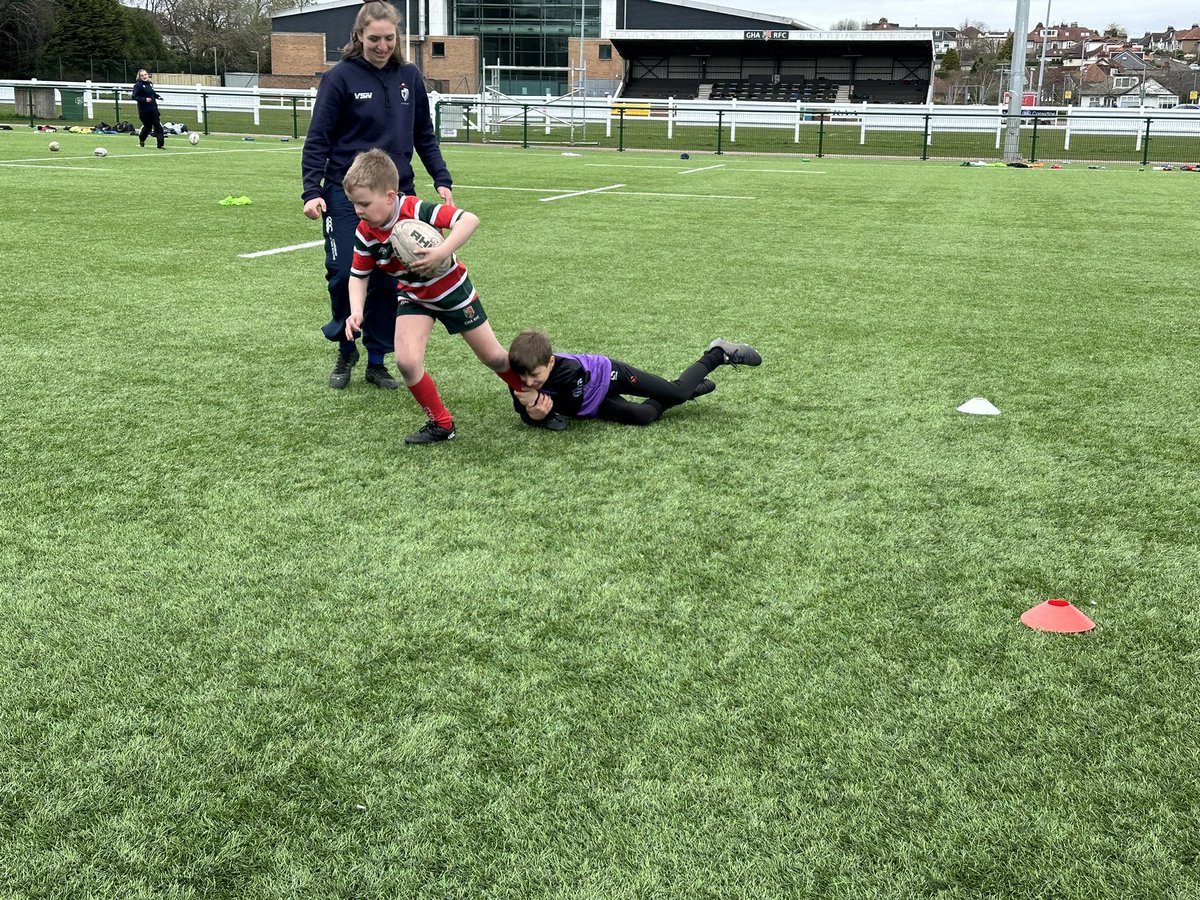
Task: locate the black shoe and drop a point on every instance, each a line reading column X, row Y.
column 737, row 354
column 431, row 432
column 555, row 422
column 141, row 143
column 707, row 386
column 340, row 376
column 378, row 375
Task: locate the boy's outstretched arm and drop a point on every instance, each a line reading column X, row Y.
column 358, row 301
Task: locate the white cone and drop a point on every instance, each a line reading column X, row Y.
column 977, row 406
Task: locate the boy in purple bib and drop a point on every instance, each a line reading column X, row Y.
column 558, row 386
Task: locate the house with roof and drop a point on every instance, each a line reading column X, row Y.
column 1161, row 41
column 1125, row 81
column 944, row 38
column 1061, row 41
column 1189, row 41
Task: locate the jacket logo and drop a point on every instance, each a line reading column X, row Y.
column 404, row 92
column 362, row 95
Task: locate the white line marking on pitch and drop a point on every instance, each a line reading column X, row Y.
column 684, row 196
column 84, row 167
column 580, row 193
column 48, row 166
column 492, row 187
column 192, row 151
column 624, row 166
column 702, row 169
column 485, row 187
column 686, row 171
column 258, row 253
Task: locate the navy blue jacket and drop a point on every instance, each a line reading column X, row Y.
column 359, row 107
column 143, row 93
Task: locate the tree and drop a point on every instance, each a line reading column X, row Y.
column 237, row 28
column 1115, row 30
column 145, row 40
column 984, row 82
column 88, row 29
column 1005, row 51
column 24, row 27
column 845, row 25
column 951, row 66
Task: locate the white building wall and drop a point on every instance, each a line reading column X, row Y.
column 439, row 18
column 608, row 17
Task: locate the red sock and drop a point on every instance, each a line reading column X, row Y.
column 425, row 392
column 512, row 379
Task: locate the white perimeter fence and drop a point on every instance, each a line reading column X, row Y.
column 488, row 114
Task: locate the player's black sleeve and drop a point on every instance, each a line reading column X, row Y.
column 565, row 389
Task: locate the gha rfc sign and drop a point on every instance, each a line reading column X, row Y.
column 766, row 35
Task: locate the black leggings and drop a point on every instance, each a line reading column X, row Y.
column 154, row 124
column 660, row 394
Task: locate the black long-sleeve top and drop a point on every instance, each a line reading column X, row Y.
column 565, row 387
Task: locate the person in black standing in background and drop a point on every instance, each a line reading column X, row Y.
column 147, row 103
column 372, row 98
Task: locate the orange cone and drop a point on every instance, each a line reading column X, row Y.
column 1059, row 616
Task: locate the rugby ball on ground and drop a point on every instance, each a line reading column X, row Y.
column 194, row 138
column 411, row 234
column 54, row 148
column 100, row 151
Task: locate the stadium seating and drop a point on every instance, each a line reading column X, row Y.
column 757, row 88
column 786, row 90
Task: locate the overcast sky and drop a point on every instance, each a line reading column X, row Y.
column 1135, row 18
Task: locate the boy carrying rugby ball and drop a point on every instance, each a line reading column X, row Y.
column 425, row 296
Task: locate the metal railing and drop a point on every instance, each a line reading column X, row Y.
column 826, row 129
column 915, row 131
column 200, row 107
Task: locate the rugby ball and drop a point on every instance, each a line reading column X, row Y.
column 194, row 138
column 54, row 147
column 411, row 234
column 100, row 151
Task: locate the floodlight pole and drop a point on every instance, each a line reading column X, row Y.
column 1042, row 64
column 583, row 67
column 1016, row 84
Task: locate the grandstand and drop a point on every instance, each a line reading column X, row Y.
column 783, row 65
column 651, row 49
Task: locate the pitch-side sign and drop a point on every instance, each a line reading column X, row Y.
column 766, row 35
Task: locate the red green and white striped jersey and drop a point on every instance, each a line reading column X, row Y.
column 453, row 290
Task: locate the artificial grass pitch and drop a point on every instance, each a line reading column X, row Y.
column 254, row 646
